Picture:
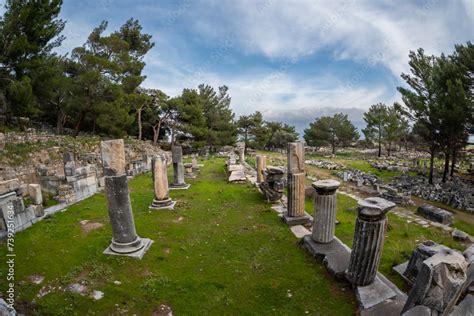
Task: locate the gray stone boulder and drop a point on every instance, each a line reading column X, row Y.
column 435, row 214
column 439, row 282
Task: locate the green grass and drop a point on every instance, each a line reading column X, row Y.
column 222, row 251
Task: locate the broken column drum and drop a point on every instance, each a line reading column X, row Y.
column 195, row 166
column 124, row 236
column 160, row 184
column 261, row 166
column 368, row 242
column 324, row 225
column 178, row 168
column 296, row 177
column 273, row 185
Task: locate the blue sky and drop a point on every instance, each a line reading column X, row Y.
column 291, row 60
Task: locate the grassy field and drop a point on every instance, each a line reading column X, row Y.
column 222, row 251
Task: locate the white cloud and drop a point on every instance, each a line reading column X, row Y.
column 366, row 31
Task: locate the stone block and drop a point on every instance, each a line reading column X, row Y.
column 439, row 282
column 419, row 310
column 34, row 191
column 374, row 294
column 465, row 308
column 301, row 220
column 38, row 210
column 435, row 214
column 423, row 251
column 386, row 308
column 9, row 186
column 299, row 231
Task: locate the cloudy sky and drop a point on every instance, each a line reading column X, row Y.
column 293, row 60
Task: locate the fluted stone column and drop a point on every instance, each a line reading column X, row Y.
column 368, row 242
column 178, row 169
column 324, row 224
column 261, row 166
column 296, row 188
column 162, row 198
column 125, row 240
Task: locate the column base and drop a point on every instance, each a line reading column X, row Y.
column 135, row 252
column 190, row 176
column 179, row 186
column 301, row 220
column 161, row 205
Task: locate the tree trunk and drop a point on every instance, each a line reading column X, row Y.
column 380, row 144
column 430, row 177
column 446, row 166
column 156, row 132
column 139, row 119
column 79, row 123
column 453, row 162
column 61, row 119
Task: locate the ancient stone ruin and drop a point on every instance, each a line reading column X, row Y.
column 324, row 225
column 439, row 283
column 273, row 185
column 125, row 240
column 162, row 198
column 435, row 214
column 295, row 214
column 369, row 236
column 178, row 169
column 261, row 166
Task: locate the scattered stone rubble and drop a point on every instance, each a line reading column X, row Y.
column 390, row 166
column 360, row 177
column 458, row 193
column 325, row 164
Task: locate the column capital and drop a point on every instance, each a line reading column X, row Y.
column 326, row 187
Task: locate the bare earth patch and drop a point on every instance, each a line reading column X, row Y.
column 88, row 226
column 163, row 310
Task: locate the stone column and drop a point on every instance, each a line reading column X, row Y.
column 195, row 166
column 296, row 188
column 125, row 240
column 439, row 283
column 368, row 242
column 241, row 154
column 178, row 169
column 162, row 198
column 324, row 225
column 261, row 166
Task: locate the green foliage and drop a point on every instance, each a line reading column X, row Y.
column 29, row 30
column 260, row 134
column 384, row 124
column 335, row 131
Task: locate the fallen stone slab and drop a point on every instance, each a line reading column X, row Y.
column 459, row 235
column 299, row 231
column 236, row 176
column 280, row 209
column 419, row 310
column 435, row 214
column 386, row 308
column 465, row 308
column 374, row 294
column 301, row 220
